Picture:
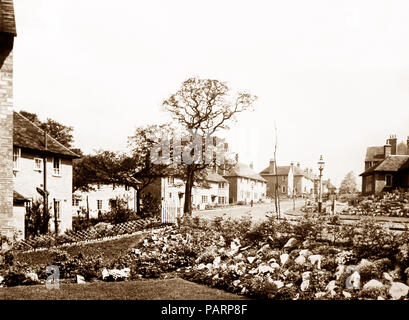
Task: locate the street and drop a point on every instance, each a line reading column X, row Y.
column 256, row 213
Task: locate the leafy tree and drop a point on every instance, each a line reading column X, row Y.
column 348, row 184
column 37, row 219
column 202, row 107
column 60, row 132
column 402, row 148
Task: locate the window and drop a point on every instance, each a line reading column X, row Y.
column 170, row 195
column 75, row 202
column 16, row 158
column 98, row 186
column 56, row 166
column 284, row 178
column 57, row 209
column 126, row 188
column 222, row 185
column 204, row 199
column 38, row 164
column 388, row 179
column 283, row 189
column 222, row 200
column 99, row 204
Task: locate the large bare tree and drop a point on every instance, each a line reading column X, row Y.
column 202, row 107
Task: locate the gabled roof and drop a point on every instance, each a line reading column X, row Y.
column 214, row 177
column 281, row 170
column 27, row 135
column 7, row 22
column 392, row 163
column 18, row 197
column 374, row 153
column 243, row 170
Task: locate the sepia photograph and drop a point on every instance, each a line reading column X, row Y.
column 204, row 154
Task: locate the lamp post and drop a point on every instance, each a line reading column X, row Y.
column 321, row 164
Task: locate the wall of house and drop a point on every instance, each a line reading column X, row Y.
column 233, row 185
column 285, row 185
column 104, row 194
column 379, row 182
column 303, row 186
column 6, row 137
column 27, row 179
column 245, row 189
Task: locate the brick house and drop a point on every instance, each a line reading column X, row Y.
column 245, row 184
column 384, row 169
column 32, row 148
column 284, row 178
column 304, row 181
column 7, row 34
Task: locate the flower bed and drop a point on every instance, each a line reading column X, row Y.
column 314, row 258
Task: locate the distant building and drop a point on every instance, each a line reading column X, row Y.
column 102, row 198
column 245, row 184
column 385, row 170
column 283, row 178
column 304, row 181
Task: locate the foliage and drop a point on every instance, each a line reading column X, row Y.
column 36, row 220
column 348, row 184
column 60, row 132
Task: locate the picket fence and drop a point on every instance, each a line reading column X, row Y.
column 171, row 211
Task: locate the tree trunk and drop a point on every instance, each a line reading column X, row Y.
column 138, row 201
column 188, row 191
column 87, row 209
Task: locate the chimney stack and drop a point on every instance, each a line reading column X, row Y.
column 298, row 164
column 251, row 165
column 387, row 150
column 272, row 167
column 237, row 157
column 392, row 141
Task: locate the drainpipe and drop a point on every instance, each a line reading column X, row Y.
column 45, row 207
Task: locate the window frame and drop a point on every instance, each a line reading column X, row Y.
column 388, row 175
column 57, row 173
column 16, row 159
column 41, row 164
column 99, row 204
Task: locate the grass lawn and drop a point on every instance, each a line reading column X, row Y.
column 164, row 289
column 110, row 249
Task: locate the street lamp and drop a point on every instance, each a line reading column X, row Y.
column 321, row 164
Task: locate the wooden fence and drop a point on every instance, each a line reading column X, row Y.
column 171, row 211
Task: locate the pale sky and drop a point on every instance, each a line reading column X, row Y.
column 333, row 75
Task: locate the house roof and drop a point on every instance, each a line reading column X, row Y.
column 27, row 135
column 281, row 170
column 18, row 197
column 392, row 163
column 7, row 21
column 374, row 153
column 243, row 170
column 214, row 177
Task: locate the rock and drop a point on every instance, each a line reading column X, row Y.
column 291, row 243
column 116, row 274
column 364, row 263
column 251, row 259
column 398, row 290
column 32, row 276
column 305, row 284
column 263, row 248
column 347, row 294
column 201, row 266
column 238, row 257
column 284, row 258
column 235, row 245
column 272, row 260
column 209, row 266
column 136, row 251
column 306, row 275
column 305, row 253
column 339, row 271
column 300, row 260
column 216, row 262
column 1, row 279
column 265, row 269
column 289, row 285
column 331, row 286
column 320, row 294
column 80, row 279
column 105, row 273
column 236, row 282
column 373, row 284
column 380, row 298
column 353, row 281
column 315, row 259
column 387, row 276
column 275, row 265
column 278, row 284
